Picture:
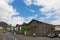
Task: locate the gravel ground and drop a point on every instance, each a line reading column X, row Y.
column 37, row 38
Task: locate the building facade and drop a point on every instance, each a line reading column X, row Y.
column 41, row 28
column 37, row 27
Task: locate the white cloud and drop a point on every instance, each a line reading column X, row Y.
column 7, row 11
column 56, row 22
column 41, row 19
column 31, row 10
column 28, row 19
column 28, row 2
column 9, row 1
column 48, row 7
column 16, row 20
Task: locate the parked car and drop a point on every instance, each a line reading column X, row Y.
column 52, row 35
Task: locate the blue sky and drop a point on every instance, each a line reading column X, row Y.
column 27, row 11
column 19, row 11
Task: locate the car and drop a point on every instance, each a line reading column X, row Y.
column 52, row 35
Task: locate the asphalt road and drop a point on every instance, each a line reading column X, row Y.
column 10, row 36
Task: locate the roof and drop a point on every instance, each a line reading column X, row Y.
column 32, row 21
column 39, row 22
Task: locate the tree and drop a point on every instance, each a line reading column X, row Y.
column 26, row 29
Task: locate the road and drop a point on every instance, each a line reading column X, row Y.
column 10, row 36
column 1, row 37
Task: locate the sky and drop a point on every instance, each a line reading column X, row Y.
column 20, row 11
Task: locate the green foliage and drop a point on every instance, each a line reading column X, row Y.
column 27, row 28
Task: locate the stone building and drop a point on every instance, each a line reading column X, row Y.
column 41, row 28
column 37, row 27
